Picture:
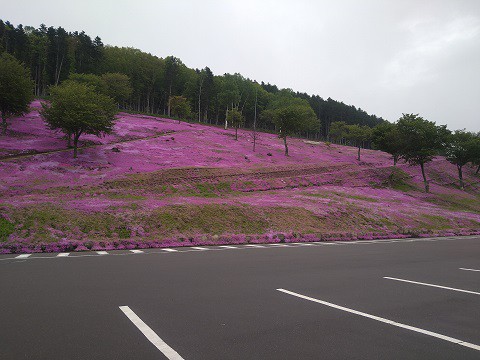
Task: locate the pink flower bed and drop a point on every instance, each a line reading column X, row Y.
column 145, row 144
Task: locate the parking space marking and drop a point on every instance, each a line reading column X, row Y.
column 23, row 256
column 386, row 321
column 469, row 269
column 150, row 334
column 433, row 285
column 102, row 253
column 170, row 250
column 137, row 251
column 63, row 254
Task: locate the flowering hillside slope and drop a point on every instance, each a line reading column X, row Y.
column 158, row 182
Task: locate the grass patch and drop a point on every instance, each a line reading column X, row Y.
column 121, row 196
column 400, row 180
column 6, row 228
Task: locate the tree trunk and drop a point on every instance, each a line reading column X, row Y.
column 359, row 153
column 69, row 141
column 460, row 176
column 75, row 144
column 395, row 160
column 427, row 187
column 236, row 133
column 478, row 169
column 286, row 146
column 4, row 123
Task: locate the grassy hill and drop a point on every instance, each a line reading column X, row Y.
column 157, row 182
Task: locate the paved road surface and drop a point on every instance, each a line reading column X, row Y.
column 367, row 300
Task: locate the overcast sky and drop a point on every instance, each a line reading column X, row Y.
column 387, row 57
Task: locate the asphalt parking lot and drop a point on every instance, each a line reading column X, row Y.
column 405, row 299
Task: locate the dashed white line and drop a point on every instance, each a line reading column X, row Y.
column 23, row 256
column 469, row 269
column 386, row 321
column 63, row 254
column 198, row 248
column 254, row 246
column 228, row 247
column 150, row 334
column 102, row 253
column 137, row 251
column 433, row 285
column 170, row 250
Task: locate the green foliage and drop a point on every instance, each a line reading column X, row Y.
column 94, row 81
column 385, row 137
column 78, row 109
column 290, row 115
column 462, row 147
column 180, row 107
column 236, row 119
column 16, row 88
column 6, row 228
column 421, row 140
column 118, row 86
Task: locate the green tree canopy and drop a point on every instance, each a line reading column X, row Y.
column 236, row 119
column 422, row 140
column 290, row 115
column 16, row 88
column 358, row 135
column 78, row 109
column 462, row 147
column 92, row 80
column 180, row 107
column 385, row 137
column 118, row 86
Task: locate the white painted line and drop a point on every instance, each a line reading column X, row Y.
column 386, row 321
column 137, row 251
column 228, row 247
column 150, row 334
column 23, row 256
column 279, row 245
column 255, row 246
column 433, row 285
column 170, row 250
column 469, row 269
column 102, row 253
column 198, row 248
column 63, row 254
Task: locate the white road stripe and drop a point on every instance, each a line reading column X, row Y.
column 63, row 254
column 228, row 247
column 170, row 250
column 433, row 285
column 278, row 245
column 386, row 321
column 150, row 334
column 102, row 253
column 137, row 251
column 23, row 256
column 255, row 246
column 469, row 269
column 198, row 248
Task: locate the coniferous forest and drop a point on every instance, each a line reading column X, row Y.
column 53, row 55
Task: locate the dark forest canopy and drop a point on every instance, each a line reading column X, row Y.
column 53, row 54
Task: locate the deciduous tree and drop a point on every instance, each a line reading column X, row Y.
column 421, row 139
column 78, row 109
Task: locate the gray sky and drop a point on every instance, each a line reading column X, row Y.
column 386, row 56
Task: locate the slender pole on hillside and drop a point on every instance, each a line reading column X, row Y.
column 255, row 123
